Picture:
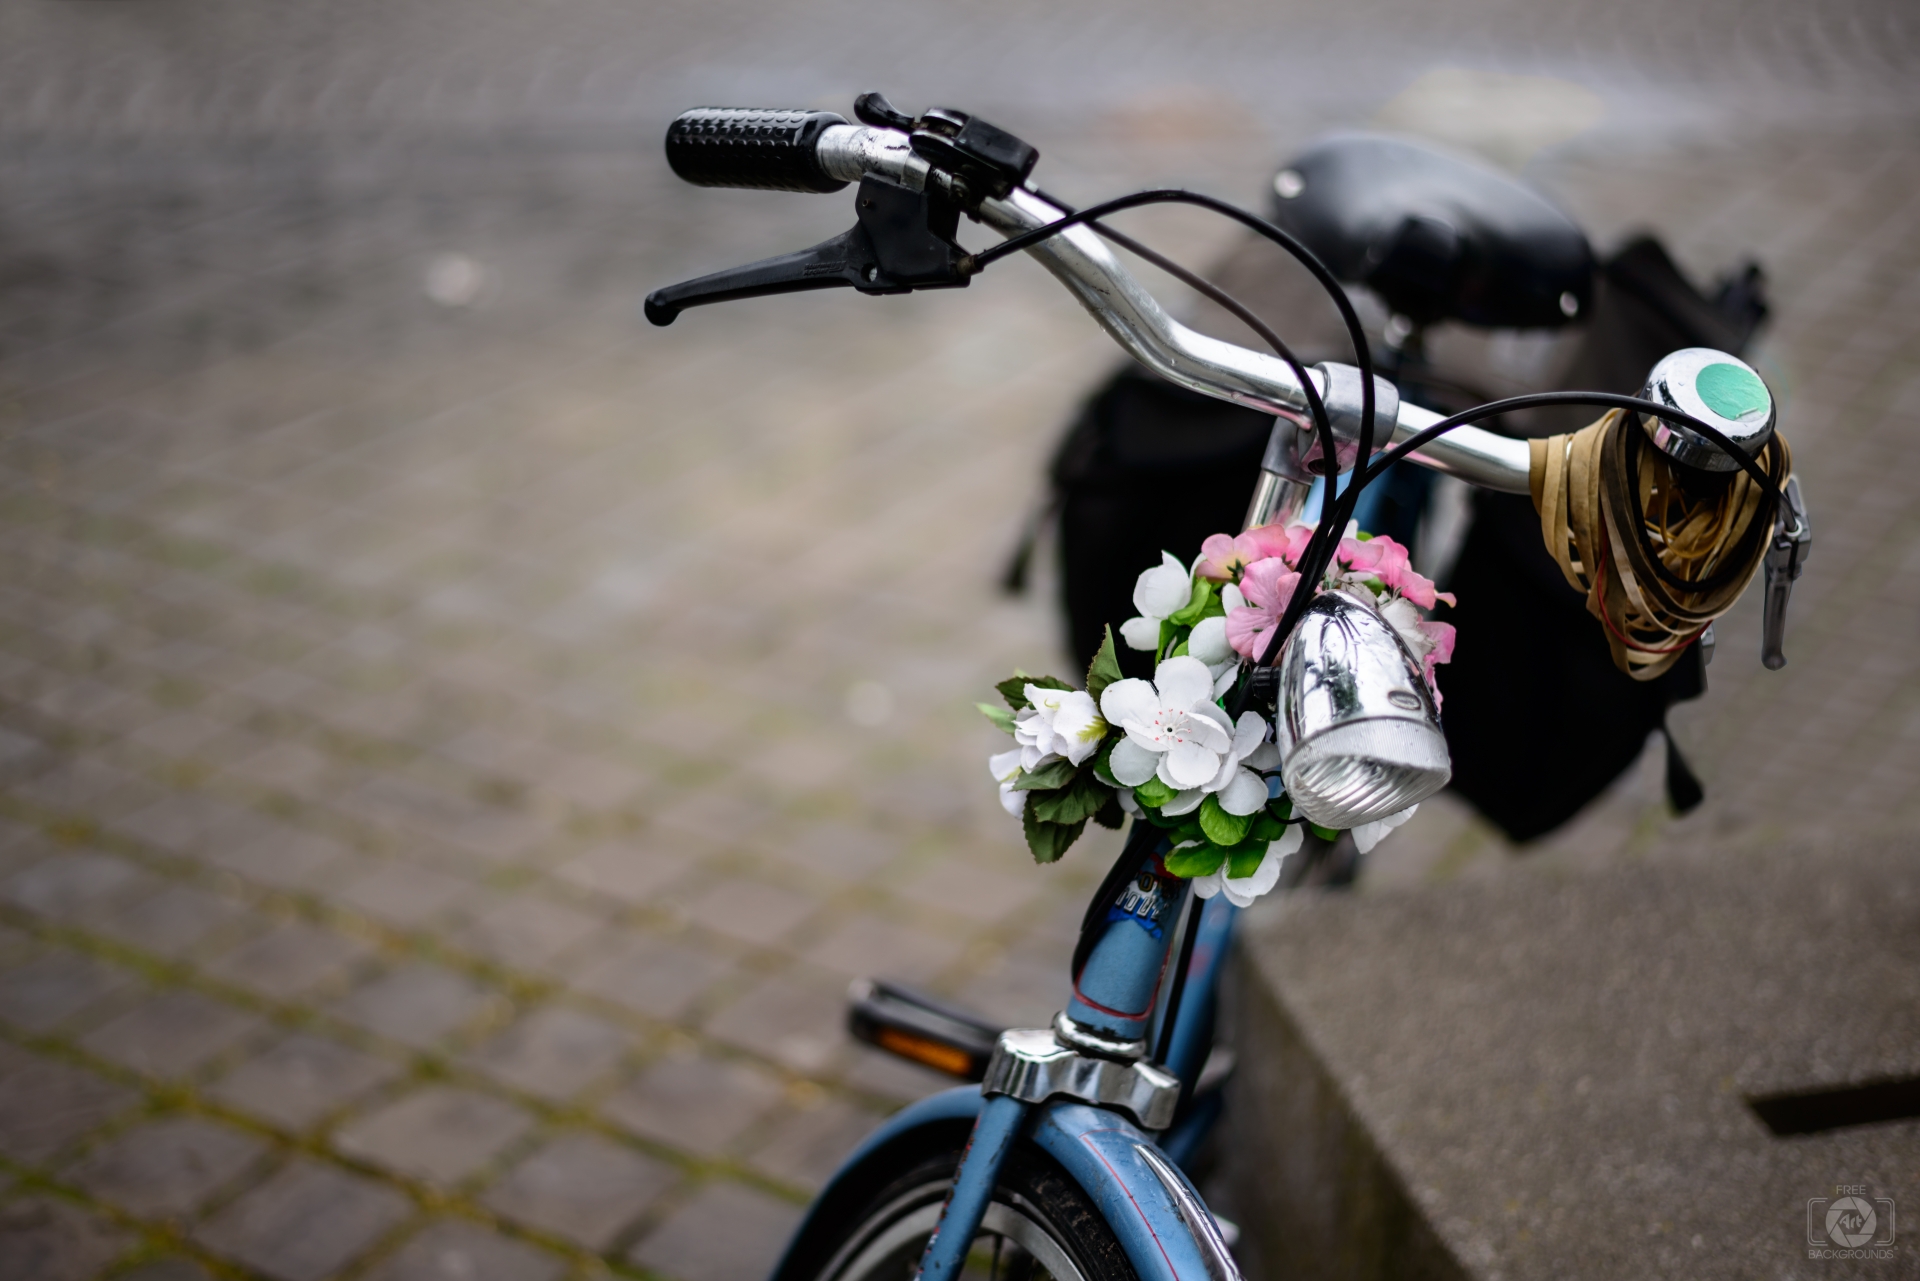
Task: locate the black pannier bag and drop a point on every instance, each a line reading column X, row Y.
column 1538, row 720
column 1146, row 466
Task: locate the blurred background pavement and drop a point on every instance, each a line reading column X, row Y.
column 457, row 742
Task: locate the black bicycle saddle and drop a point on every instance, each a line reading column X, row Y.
column 1437, row 237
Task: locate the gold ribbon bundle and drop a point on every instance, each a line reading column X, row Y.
column 1657, row 560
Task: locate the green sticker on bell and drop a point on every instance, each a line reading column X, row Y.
column 1732, row 391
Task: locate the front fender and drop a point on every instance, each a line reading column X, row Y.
column 1165, row 1228
column 937, row 1122
column 1155, row 1213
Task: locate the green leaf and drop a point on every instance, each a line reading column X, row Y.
column 1153, row 793
column 1324, row 833
column 1196, row 607
column 1049, row 841
column 1110, row 815
column 1101, row 764
column 1266, row 827
column 1105, row 669
column 1047, row 777
column 1082, row 800
column 1221, row 827
column 1198, row 860
column 1002, row 718
column 1244, row 860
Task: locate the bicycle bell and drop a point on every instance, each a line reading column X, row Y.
column 1719, row 390
column 1358, row 733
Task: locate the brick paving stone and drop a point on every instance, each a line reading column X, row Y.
column 867, row 945
column 403, row 895
column 296, row 1082
column 78, row 886
column 48, row 1240
column 751, row 911
column 806, row 1147
column 631, row 871
column 282, row 765
column 582, row 1187
column 414, row 1004
column 56, row 987
column 795, row 1022
column 836, row 849
column 524, row 932
column 45, row 1105
column 1023, row 988
column 304, row 1223
column 979, row 892
column 175, row 1269
column 173, row 921
column 440, row 1133
column 168, row 1168
column 697, row 1103
column 554, row 1052
column 171, row 1033
column 651, row 975
column 726, row 1232
column 891, row 1077
column 450, row 1250
column 291, row 959
column 189, row 823
column 285, row 857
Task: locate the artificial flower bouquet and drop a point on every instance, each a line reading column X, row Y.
column 1178, row 760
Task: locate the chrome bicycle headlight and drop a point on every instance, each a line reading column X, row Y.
column 1358, row 734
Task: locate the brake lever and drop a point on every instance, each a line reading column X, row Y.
column 1786, row 557
column 903, row 241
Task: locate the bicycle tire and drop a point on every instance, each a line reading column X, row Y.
column 1041, row 1224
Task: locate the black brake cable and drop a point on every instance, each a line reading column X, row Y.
column 1599, row 399
column 1320, row 548
column 1316, row 408
column 1337, row 505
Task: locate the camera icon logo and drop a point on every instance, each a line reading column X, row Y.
column 1850, row 1222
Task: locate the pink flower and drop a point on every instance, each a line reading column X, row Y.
column 1224, row 559
column 1441, row 634
column 1387, row 561
column 1266, row 585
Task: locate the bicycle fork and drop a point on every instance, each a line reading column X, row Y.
column 994, row 1133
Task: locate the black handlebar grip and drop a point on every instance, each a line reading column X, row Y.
column 751, row 147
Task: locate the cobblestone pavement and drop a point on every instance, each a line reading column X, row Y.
column 458, row 743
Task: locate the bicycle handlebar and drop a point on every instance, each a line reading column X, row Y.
column 819, row 151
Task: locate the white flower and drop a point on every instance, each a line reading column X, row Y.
column 1368, row 835
column 1165, row 589
column 1243, row 891
column 1208, row 643
column 1404, row 617
column 1241, row 790
column 1005, row 768
column 1061, row 722
column 1173, row 729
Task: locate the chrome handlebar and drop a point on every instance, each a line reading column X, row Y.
column 1084, row 263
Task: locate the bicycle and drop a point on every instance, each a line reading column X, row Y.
column 1069, row 1158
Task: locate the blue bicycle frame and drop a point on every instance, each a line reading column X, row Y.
column 1141, row 930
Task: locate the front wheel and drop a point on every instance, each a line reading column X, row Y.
column 1041, row 1224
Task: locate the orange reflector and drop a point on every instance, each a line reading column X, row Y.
column 942, row 1058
